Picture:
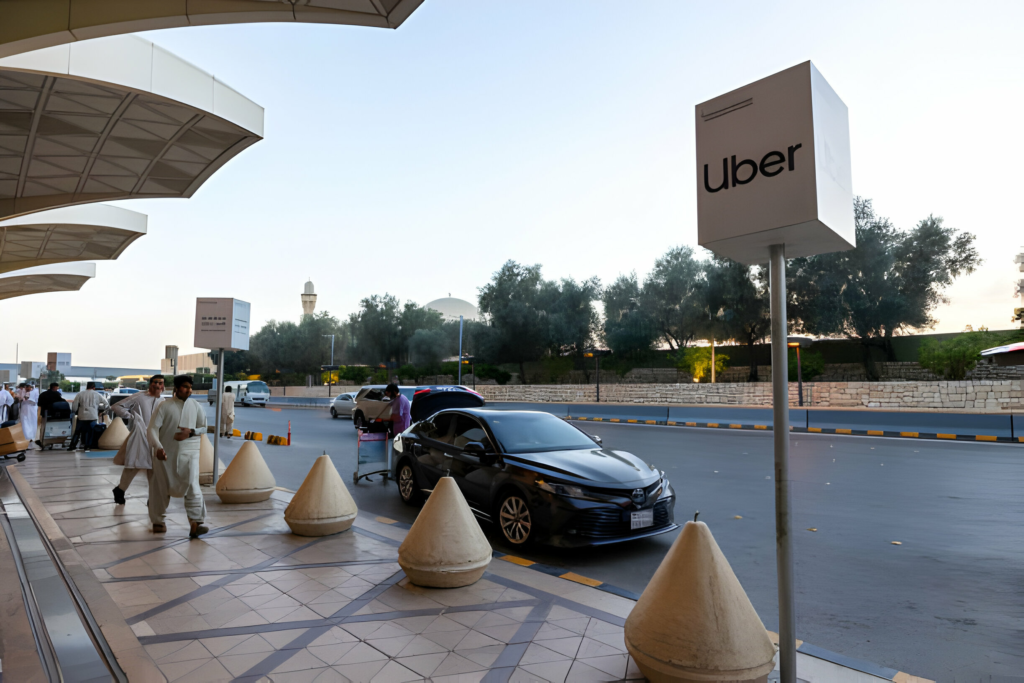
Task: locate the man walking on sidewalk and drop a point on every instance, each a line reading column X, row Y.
column 87, row 406
column 138, row 456
column 227, row 412
column 175, row 432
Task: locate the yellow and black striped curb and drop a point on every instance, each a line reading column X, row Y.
column 254, row 436
column 809, row 430
column 277, row 440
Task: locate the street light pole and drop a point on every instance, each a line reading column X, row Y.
column 799, row 378
column 460, row 352
column 330, row 375
column 780, row 408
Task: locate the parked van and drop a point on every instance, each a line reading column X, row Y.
column 247, row 392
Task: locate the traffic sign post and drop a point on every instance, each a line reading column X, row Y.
column 221, row 325
column 774, row 180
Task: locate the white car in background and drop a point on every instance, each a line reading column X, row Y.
column 342, row 404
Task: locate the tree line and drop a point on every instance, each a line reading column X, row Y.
column 889, row 285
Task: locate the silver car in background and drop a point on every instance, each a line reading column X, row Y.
column 342, row 404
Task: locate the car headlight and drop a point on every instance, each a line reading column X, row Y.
column 562, row 489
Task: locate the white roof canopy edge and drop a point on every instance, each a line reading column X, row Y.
column 79, row 269
column 103, row 215
column 46, row 25
column 138, row 64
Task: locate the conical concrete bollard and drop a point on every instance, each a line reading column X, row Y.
column 445, row 547
column 322, row 505
column 247, row 479
column 694, row 622
column 206, row 461
column 113, row 436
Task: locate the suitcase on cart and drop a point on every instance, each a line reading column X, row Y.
column 13, row 443
column 56, row 425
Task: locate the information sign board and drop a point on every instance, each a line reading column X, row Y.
column 773, row 167
column 222, row 324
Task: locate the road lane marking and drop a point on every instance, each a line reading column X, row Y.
column 651, row 422
column 517, row 560
column 691, row 424
column 633, row 421
column 615, row 419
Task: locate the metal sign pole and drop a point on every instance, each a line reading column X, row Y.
column 780, row 409
column 220, row 400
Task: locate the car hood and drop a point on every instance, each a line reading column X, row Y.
column 597, row 467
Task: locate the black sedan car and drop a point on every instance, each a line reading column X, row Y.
column 536, row 476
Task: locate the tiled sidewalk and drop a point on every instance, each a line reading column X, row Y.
column 252, row 602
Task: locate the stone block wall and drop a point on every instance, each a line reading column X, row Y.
column 968, row 395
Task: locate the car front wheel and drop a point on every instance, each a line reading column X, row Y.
column 515, row 519
column 334, row 415
column 407, row 489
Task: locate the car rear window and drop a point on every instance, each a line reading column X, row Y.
column 532, row 432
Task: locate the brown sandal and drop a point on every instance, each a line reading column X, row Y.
column 159, row 528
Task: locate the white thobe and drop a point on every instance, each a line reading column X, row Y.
column 6, row 401
column 30, row 414
column 227, row 413
column 178, row 475
column 139, row 409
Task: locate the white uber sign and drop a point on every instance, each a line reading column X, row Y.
column 222, row 324
column 773, row 167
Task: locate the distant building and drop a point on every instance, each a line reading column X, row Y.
column 308, row 299
column 59, row 362
column 188, row 364
column 451, row 308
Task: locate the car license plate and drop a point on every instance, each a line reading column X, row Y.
column 641, row 519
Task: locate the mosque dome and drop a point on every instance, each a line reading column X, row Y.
column 451, row 308
column 308, row 289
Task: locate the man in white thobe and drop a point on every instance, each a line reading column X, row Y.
column 227, row 412
column 6, row 401
column 29, row 412
column 137, row 411
column 175, row 432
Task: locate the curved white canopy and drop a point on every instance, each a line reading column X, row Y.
column 115, row 118
column 35, row 24
column 62, row 277
column 77, row 233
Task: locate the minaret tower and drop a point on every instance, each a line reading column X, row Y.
column 308, row 299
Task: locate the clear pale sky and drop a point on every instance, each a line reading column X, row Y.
column 417, row 161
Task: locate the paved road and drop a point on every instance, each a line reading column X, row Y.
column 947, row 604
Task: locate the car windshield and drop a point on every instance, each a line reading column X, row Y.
column 532, row 432
column 256, row 388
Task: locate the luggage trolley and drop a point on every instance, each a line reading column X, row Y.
column 373, row 455
column 56, row 425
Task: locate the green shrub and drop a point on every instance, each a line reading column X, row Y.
column 696, row 360
column 812, row 364
column 955, row 357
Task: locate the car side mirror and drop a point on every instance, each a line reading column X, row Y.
column 474, row 448
column 596, row 439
